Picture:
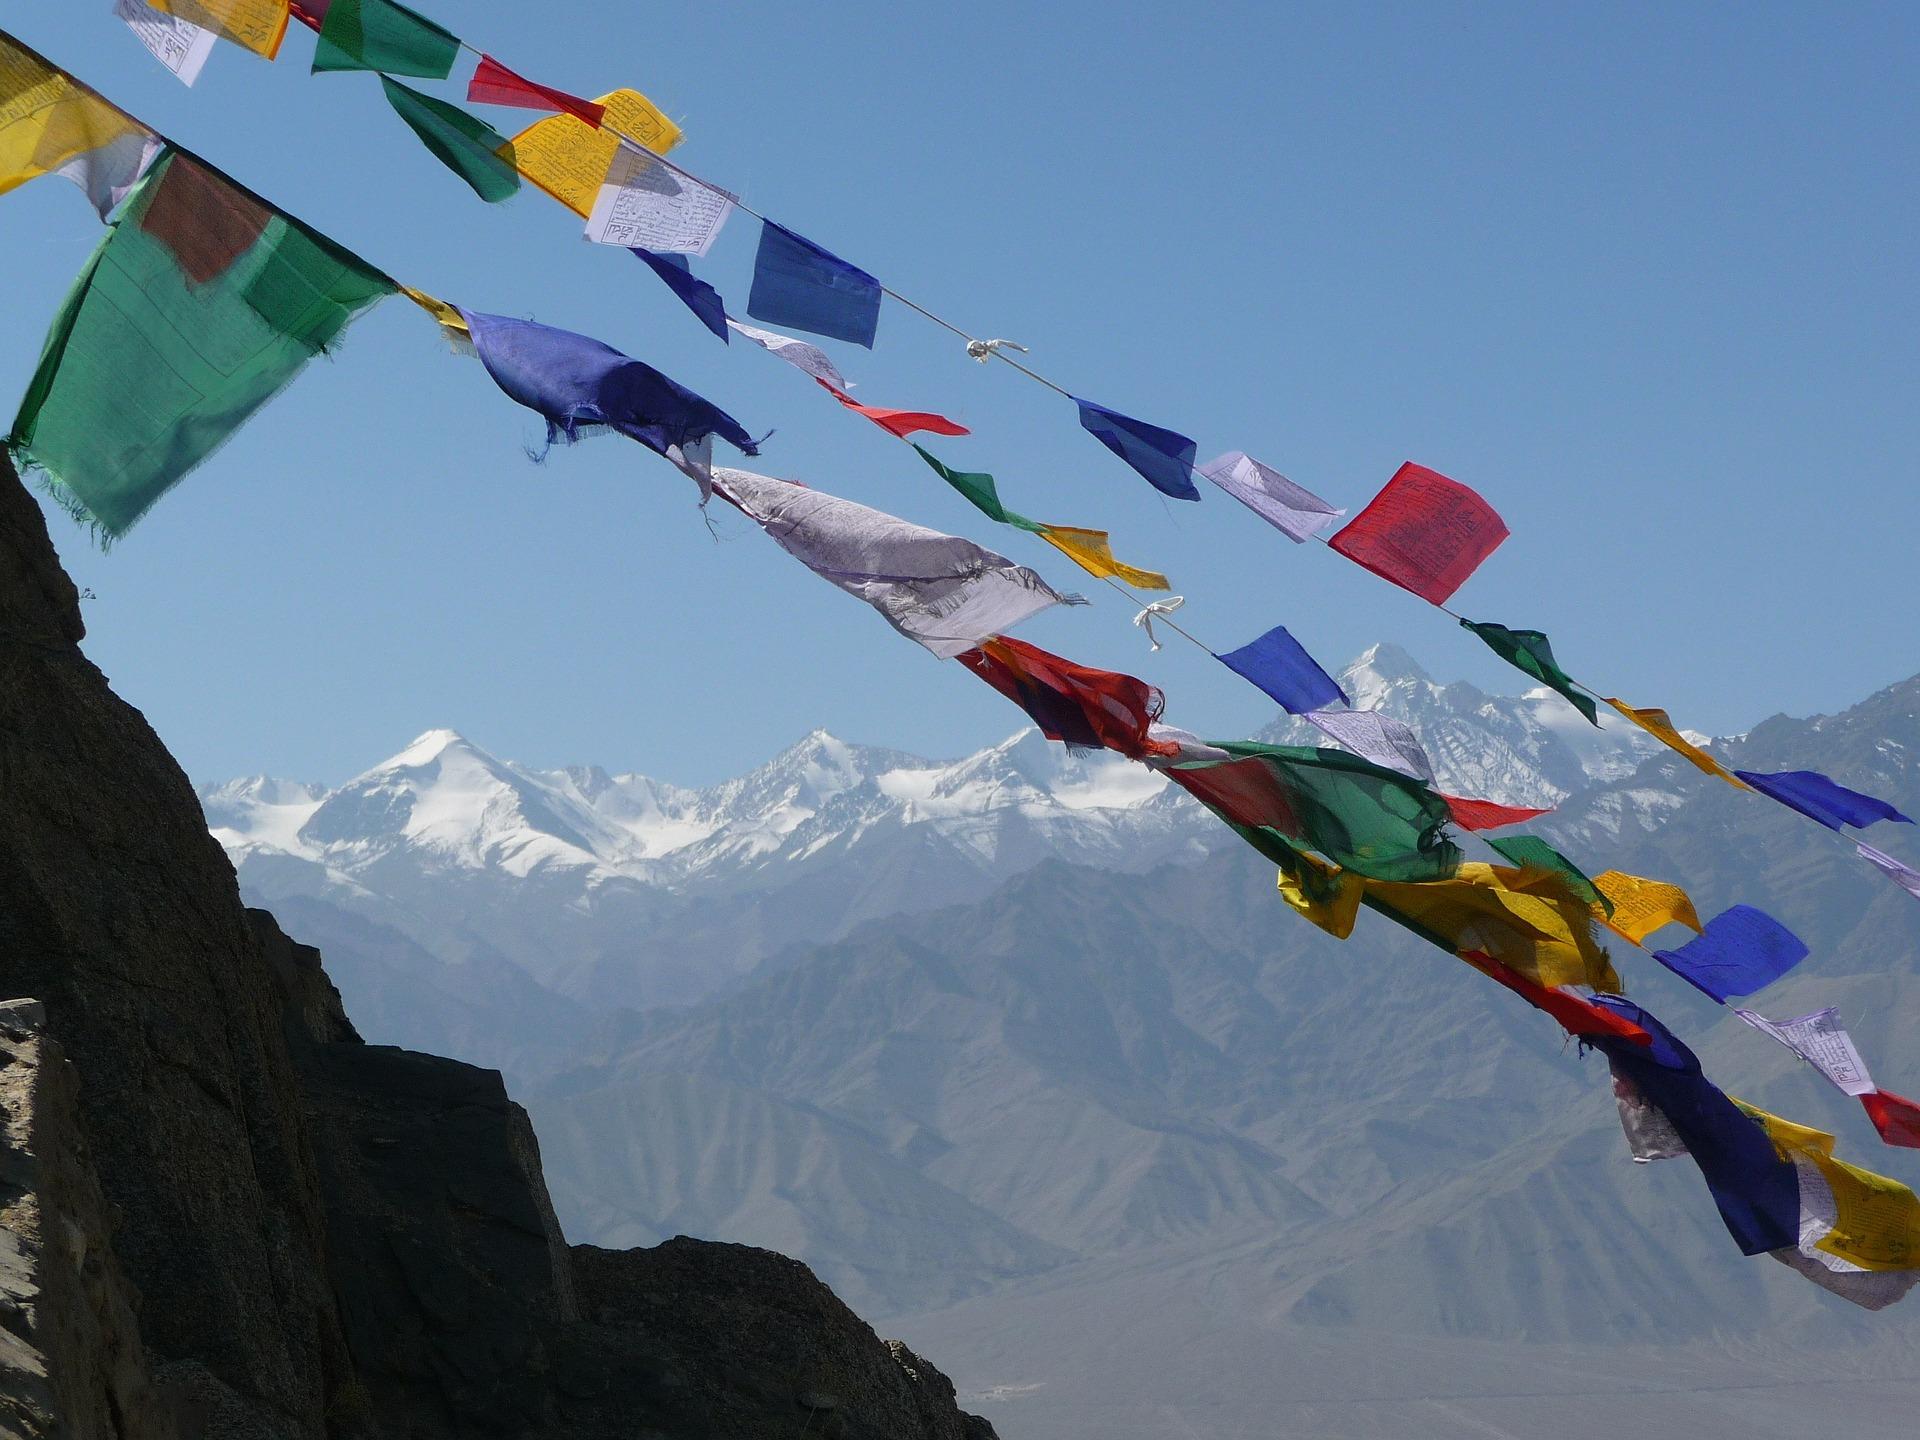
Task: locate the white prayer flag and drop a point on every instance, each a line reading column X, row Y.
column 797, row 353
column 645, row 202
column 1297, row 513
column 1372, row 736
column 181, row 47
column 107, row 173
column 1905, row 876
column 1819, row 1040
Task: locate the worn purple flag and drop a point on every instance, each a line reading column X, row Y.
column 1163, row 457
column 1822, row 799
column 1297, row 513
column 1741, row 950
column 1281, row 666
column 1903, row 875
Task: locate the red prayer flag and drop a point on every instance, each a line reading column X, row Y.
column 900, row 423
column 1423, row 532
column 1075, row 704
column 310, row 13
column 494, row 84
column 1894, row 1116
column 1486, row 815
column 1576, row 1016
column 1245, row 791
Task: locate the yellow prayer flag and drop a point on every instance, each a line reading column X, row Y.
column 1641, row 907
column 568, row 158
column 257, row 25
column 1875, row 1222
column 452, row 323
column 46, row 119
column 1546, row 936
column 1325, row 894
column 1090, row 550
column 1659, row 724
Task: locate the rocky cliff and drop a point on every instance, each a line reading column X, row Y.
column 222, row 1214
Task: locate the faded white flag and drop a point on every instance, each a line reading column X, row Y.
column 180, row 46
column 1821, row 1041
column 798, row 353
column 646, row 202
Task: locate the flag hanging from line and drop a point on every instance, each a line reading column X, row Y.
column 1822, row 1041
column 1280, row 666
column 1164, row 458
column 1902, row 874
column 465, row 144
column 568, row 158
column 1375, row 737
column 1659, row 724
column 646, row 202
column 494, row 84
column 386, row 36
column 1486, row 815
column 1530, row 852
column 1529, row 652
column 1741, row 950
column 1423, row 532
column 1295, row 512
column 52, row 125
column 898, row 423
column 180, row 45
column 808, row 359
column 1079, row 706
column 1640, row 907
column 696, row 294
column 1820, row 798
column 256, row 25
column 797, row 283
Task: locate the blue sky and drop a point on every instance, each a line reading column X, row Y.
column 1641, row 275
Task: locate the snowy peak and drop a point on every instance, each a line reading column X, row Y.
column 1380, row 671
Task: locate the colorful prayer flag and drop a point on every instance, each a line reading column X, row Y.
column 797, row 283
column 464, row 143
column 1821, row 1041
column 1295, row 512
column 51, row 124
column 383, row 35
column 1575, row 1014
column 200, row 306
column 979, row 489
column 1640, row 907
column 1894, row 1116
column 1081, row 707
column 1741, row 950
column 1486, row 815
column 575, row 383
column 696, row 294
column 898, row 423
column 1164, row 458
column 1543, row 935
column 256, row 25
column 1280, row 666
column 1092, row 551
column 808, row 359
column 941, row 591
column 568, row 158
column 1530, row 852
column 494, row 84
column 1423, row 532
column 1903, row 875
column 178, row 44
column 1529, row 652
column 1869, row 1220
column 1375, row 737
column 646, row 202
column 1820, row 798
column 1324, row 894
column 1659, row 724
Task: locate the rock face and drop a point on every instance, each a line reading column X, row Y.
column 222, row 1214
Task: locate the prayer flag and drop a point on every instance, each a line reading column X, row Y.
column 256, row 25
column 200, row 306
column 1077, row 705
column 1650, row 1135
column 568, row 158
column 1374, row 737
column 576, row 382
column 1894, row 1116
column 494, row 84
column 1529, row 652
column 797, row 283
column 979, row 489
column 1325, row 894
column 696, row 294
column 1741, row 950
column 107, row 175
column 1530, row 852
column 383, row 35
column 1576, row 1014
column 177, row 44
column 1822, row 799
column 1423, row 532
column 1905, row 876
column 1821, row 1041
column 809, row 359
column 645, row 202
column 941, row 591
column 453, row 325
column 898, row 423
column 1163, row 457
column 51, row 124
column 1092, row 551
column 310, row 13
column 1297, row 513
column 1486, row 815
column 1543, row 935
column 1640, row 907
column 1364, row 818
column 1279, row 665
column 1659, row 724
column 1869, row 1220
column 464, row 143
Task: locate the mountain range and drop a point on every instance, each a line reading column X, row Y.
column 1021, row 1056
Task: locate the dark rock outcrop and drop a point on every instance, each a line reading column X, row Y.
column 224, row 1215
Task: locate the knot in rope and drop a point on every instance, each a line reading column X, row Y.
column 984, row 350
column 1161, row 608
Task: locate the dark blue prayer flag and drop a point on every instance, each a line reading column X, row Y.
column 698, row 296
column 1740, row 951
column 1757, row 1192
column 1819, row 798
column 799, row 285
column 574, row 382
column 1164, row 457
column 1280, row 665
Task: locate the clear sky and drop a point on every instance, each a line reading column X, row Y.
column 1643, row 275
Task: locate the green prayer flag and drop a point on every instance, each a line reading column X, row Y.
column 981, row 490
column 464, row 143
column 383, row 35
column 1530, row 852
column 1529, row 651
column 1363, row 817
column 201, row 305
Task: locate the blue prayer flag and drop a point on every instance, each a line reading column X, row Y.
column 698, row 296
column 1164, row 457
column 1758, row 1193
column 797, row 284
column 1819, row 798
column 1740, row 951
column 1280, row 665
column 574, row 381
